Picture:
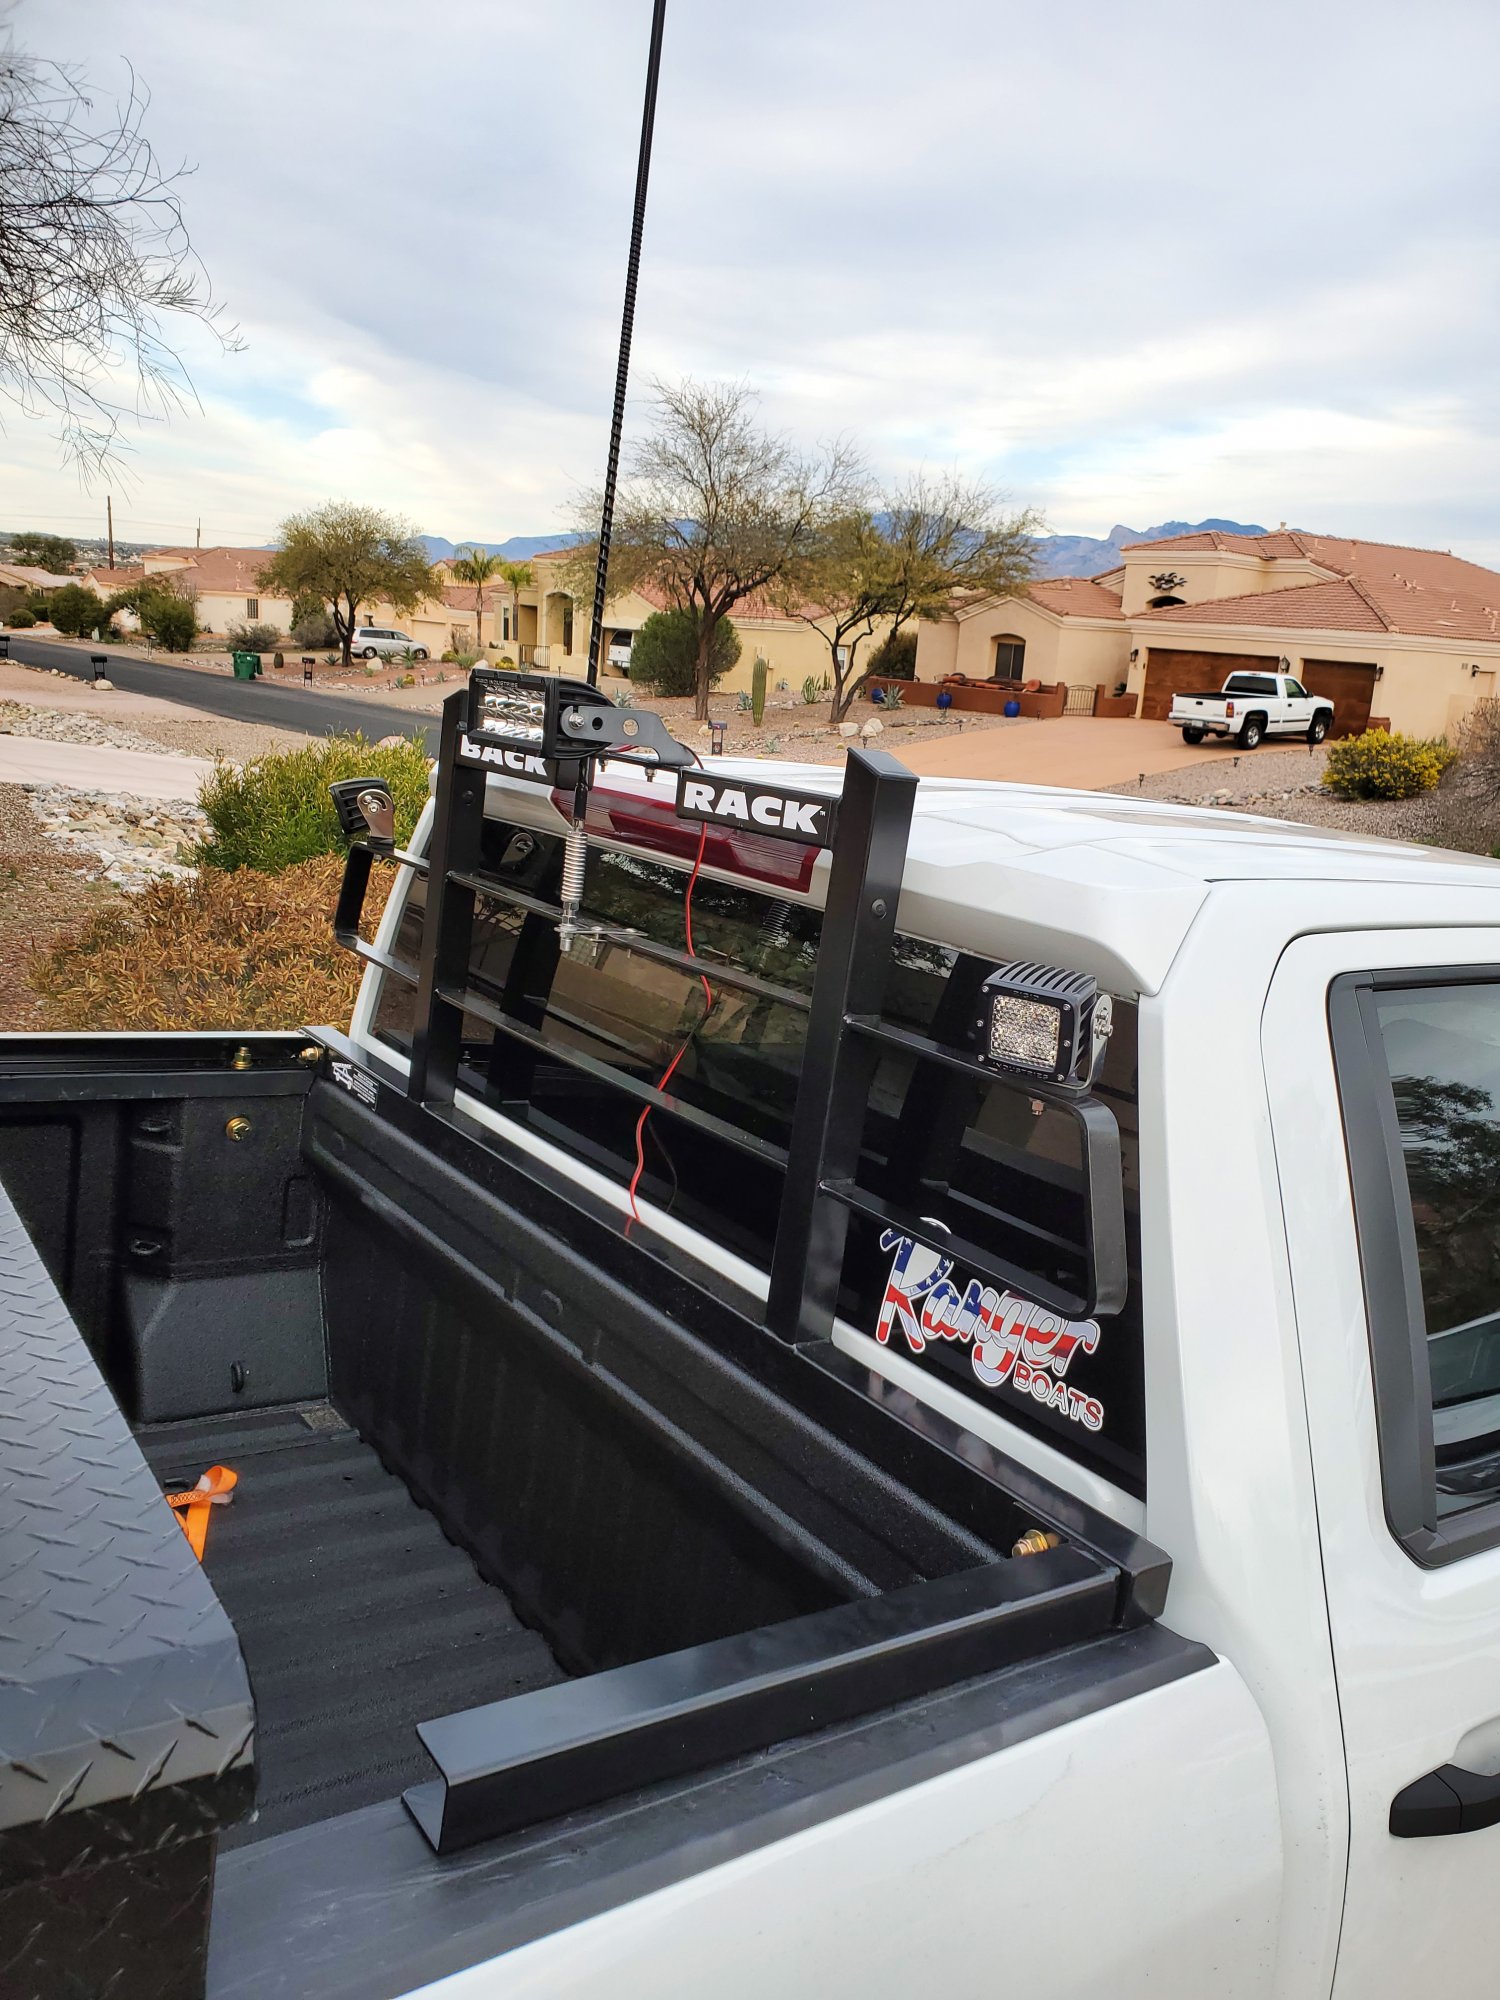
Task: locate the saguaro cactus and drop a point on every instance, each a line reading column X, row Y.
column 758, row 675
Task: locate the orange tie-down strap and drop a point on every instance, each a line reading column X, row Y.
column 214, row 1489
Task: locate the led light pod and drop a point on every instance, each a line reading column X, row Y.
column 1042, row 1022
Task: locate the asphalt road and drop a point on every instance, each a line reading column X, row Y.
column 293, row 707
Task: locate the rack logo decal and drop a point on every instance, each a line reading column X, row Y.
column 1012, row 1341
column 517, row 763
column 358, row 1082
column 755, row 808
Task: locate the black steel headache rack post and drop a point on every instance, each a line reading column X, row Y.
column 456, row 849
column 854, row 956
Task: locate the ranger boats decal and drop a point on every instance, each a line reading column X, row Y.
column 1013, row 1342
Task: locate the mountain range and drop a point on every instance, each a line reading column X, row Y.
column 1085, row 555
column 1056, row 555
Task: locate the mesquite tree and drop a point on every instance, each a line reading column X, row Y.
column 94, row 255
column 714, row 509
column 932, row 542
column 349, row 556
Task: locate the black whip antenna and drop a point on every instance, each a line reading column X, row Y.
column 627, row 328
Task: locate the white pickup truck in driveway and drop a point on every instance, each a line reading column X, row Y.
column 1251, row 706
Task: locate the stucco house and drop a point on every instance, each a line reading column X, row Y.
column 793, row 649
column 220, row 581
column 1407, row 636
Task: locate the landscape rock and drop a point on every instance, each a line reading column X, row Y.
column 125, row 840
column 18, row 718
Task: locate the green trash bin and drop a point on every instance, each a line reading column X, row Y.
column 246, row 665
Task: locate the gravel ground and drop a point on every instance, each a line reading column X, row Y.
column 215, row 736
column 59, row 726
column 1287, row 784
column 43, row 891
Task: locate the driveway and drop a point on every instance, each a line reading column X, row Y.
column 1074, row 751
column 98, row 767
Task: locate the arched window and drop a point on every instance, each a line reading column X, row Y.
column 1010, row 657
column 1163, row 603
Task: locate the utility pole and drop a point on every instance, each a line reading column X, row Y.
column 109, row 509
column 198, row 538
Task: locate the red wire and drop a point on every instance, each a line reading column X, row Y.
column 708, row 1008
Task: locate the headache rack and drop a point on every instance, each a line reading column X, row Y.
column 847, row 1035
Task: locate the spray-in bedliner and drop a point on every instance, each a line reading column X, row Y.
column 358, row 1618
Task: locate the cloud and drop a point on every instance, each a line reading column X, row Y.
column 1132, row 264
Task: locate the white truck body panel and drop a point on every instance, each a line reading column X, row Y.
column 1143, row 1839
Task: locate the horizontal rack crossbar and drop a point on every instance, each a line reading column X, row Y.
column 470, row 1002
column 980, row 1263
column 636, row 941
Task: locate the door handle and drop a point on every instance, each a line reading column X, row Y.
column 1448, row 1800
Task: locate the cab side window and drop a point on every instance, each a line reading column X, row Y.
column 1419, row 1076
column 1442, row 1052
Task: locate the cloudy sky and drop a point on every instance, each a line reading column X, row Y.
column 1128, row 261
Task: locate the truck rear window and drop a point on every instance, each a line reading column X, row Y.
column 990, row 1164
column 1250, row 684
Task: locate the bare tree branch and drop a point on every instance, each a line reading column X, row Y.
column 94, row 254
column 716, row 509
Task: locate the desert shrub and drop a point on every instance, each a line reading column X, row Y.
column 75, row 610
column 895, row 658
column 170, row 620
column 1467, row 808
column 20, row 620
column 664, row 653
column 253, row 638
column 1379, row 765
column 312, row 623
column 172, row 623
column 224, row 951
column 275, row 810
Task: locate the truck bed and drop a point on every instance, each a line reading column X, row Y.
column 358, row 1618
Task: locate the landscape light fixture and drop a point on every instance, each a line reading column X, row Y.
column 1041, row 1022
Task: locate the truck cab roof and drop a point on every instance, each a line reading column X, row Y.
column 1101, row 881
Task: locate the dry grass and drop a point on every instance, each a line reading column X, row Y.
column 241, row 950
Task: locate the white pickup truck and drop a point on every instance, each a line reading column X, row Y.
column 1251, row 706
column 915, row 1492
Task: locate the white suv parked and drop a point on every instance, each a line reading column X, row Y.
column 372, row 642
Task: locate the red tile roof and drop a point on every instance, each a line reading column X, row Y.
column 1383, row 587
column 1327, row 607
column 1075, row 597
column 222, row 572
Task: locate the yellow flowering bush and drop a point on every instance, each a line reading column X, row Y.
column 1382, row 765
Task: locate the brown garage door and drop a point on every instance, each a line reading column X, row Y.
column 1169, row 672
column 1351, row 689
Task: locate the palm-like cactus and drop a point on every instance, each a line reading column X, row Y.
column 475, row 565
column 518, row 576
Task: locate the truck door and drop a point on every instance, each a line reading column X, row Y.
column 1296, row 707
column 1383, row 1070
